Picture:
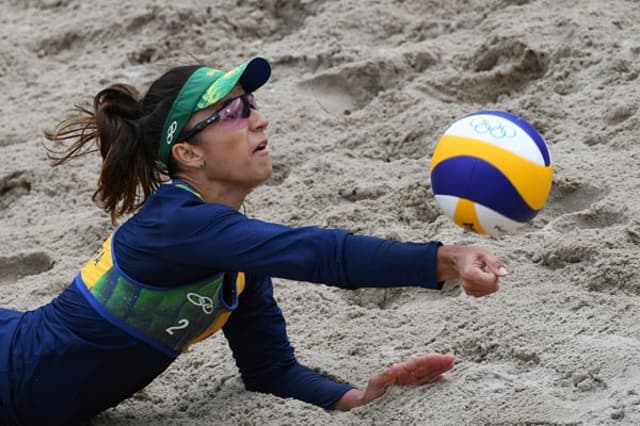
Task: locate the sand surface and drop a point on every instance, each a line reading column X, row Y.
column 360, row 93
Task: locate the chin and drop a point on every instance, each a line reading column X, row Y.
column 266, row 177
column 263, row 178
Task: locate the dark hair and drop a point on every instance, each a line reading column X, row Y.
column 126, row 130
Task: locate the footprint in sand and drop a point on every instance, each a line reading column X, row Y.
column 62, row 42
column 11, row 138
column 350, row 87
column 501, row 66
column 571, row 206
column 270, row 19
column 42, row 4
column 560, row 256
column 14, row 186
column 571, row 194
column 414, row 203
column 613, row 274
column 598, row 269
column 21, row 265
column 387, row 298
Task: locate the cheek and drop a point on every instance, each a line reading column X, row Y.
column 232, row 151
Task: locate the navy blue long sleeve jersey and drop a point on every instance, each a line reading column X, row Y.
column 62, row 363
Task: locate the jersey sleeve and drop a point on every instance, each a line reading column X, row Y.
column 177, row 238
column 227, row 240
column 257, row 335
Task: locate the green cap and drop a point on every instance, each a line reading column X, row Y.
column 205, row 87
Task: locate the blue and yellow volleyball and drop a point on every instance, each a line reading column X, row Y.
column 491, row 173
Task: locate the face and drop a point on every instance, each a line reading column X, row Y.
column 234, row 148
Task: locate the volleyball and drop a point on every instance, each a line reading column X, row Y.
column 491, row 173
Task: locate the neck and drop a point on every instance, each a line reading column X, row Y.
column 215, row 192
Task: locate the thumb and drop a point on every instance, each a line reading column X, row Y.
column 496, row 266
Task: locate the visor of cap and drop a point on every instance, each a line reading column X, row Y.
column 251, row 75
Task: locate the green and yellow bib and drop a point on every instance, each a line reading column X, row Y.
column 169, row 318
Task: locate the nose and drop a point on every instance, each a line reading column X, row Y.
column 258, row 120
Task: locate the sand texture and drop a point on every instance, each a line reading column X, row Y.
column 360, row 93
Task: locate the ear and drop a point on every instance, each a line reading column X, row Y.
column 187, row 155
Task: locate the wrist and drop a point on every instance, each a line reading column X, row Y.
column 446, row 263
column 351, row 399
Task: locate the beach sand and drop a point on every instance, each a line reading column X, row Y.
column 360, row 93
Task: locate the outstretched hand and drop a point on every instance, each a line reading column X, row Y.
column 417, row 371
column 478, row 269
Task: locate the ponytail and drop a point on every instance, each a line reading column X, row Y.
column 112, row 124
column 126, row 130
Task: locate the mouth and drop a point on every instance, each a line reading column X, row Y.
column 262, row 146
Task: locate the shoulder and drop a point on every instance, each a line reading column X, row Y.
column 172, row 209
column 173, row 203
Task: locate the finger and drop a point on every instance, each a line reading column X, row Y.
column 487, row 288
column 425, row 367
column 446, row 363
column 471, row 292
column 429, row 379
column 476, row 285
column 478, row 291
column 433, row 364
column 479, row 280
column 485, row 292
column 482, row 276
column 435, row 360
column 411, row 372
column 481, row 293
column 402, row 373
column 382, row 380
column 495, row 265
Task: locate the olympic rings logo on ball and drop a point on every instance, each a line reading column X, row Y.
column 495, row 129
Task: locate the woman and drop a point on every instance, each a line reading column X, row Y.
column 188, row 264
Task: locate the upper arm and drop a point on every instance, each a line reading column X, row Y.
column 228, row 241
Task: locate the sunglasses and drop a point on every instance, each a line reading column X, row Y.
column 231, row 109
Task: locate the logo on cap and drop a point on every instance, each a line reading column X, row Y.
column 171, row 131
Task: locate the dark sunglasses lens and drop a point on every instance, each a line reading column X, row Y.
column 246, row 108
column 248, row 103
column 251, row 100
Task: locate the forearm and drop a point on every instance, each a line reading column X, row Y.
column 330, row 256
column 341, row 259
column 375, row 262
column 300, row 382
column 257, row 336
